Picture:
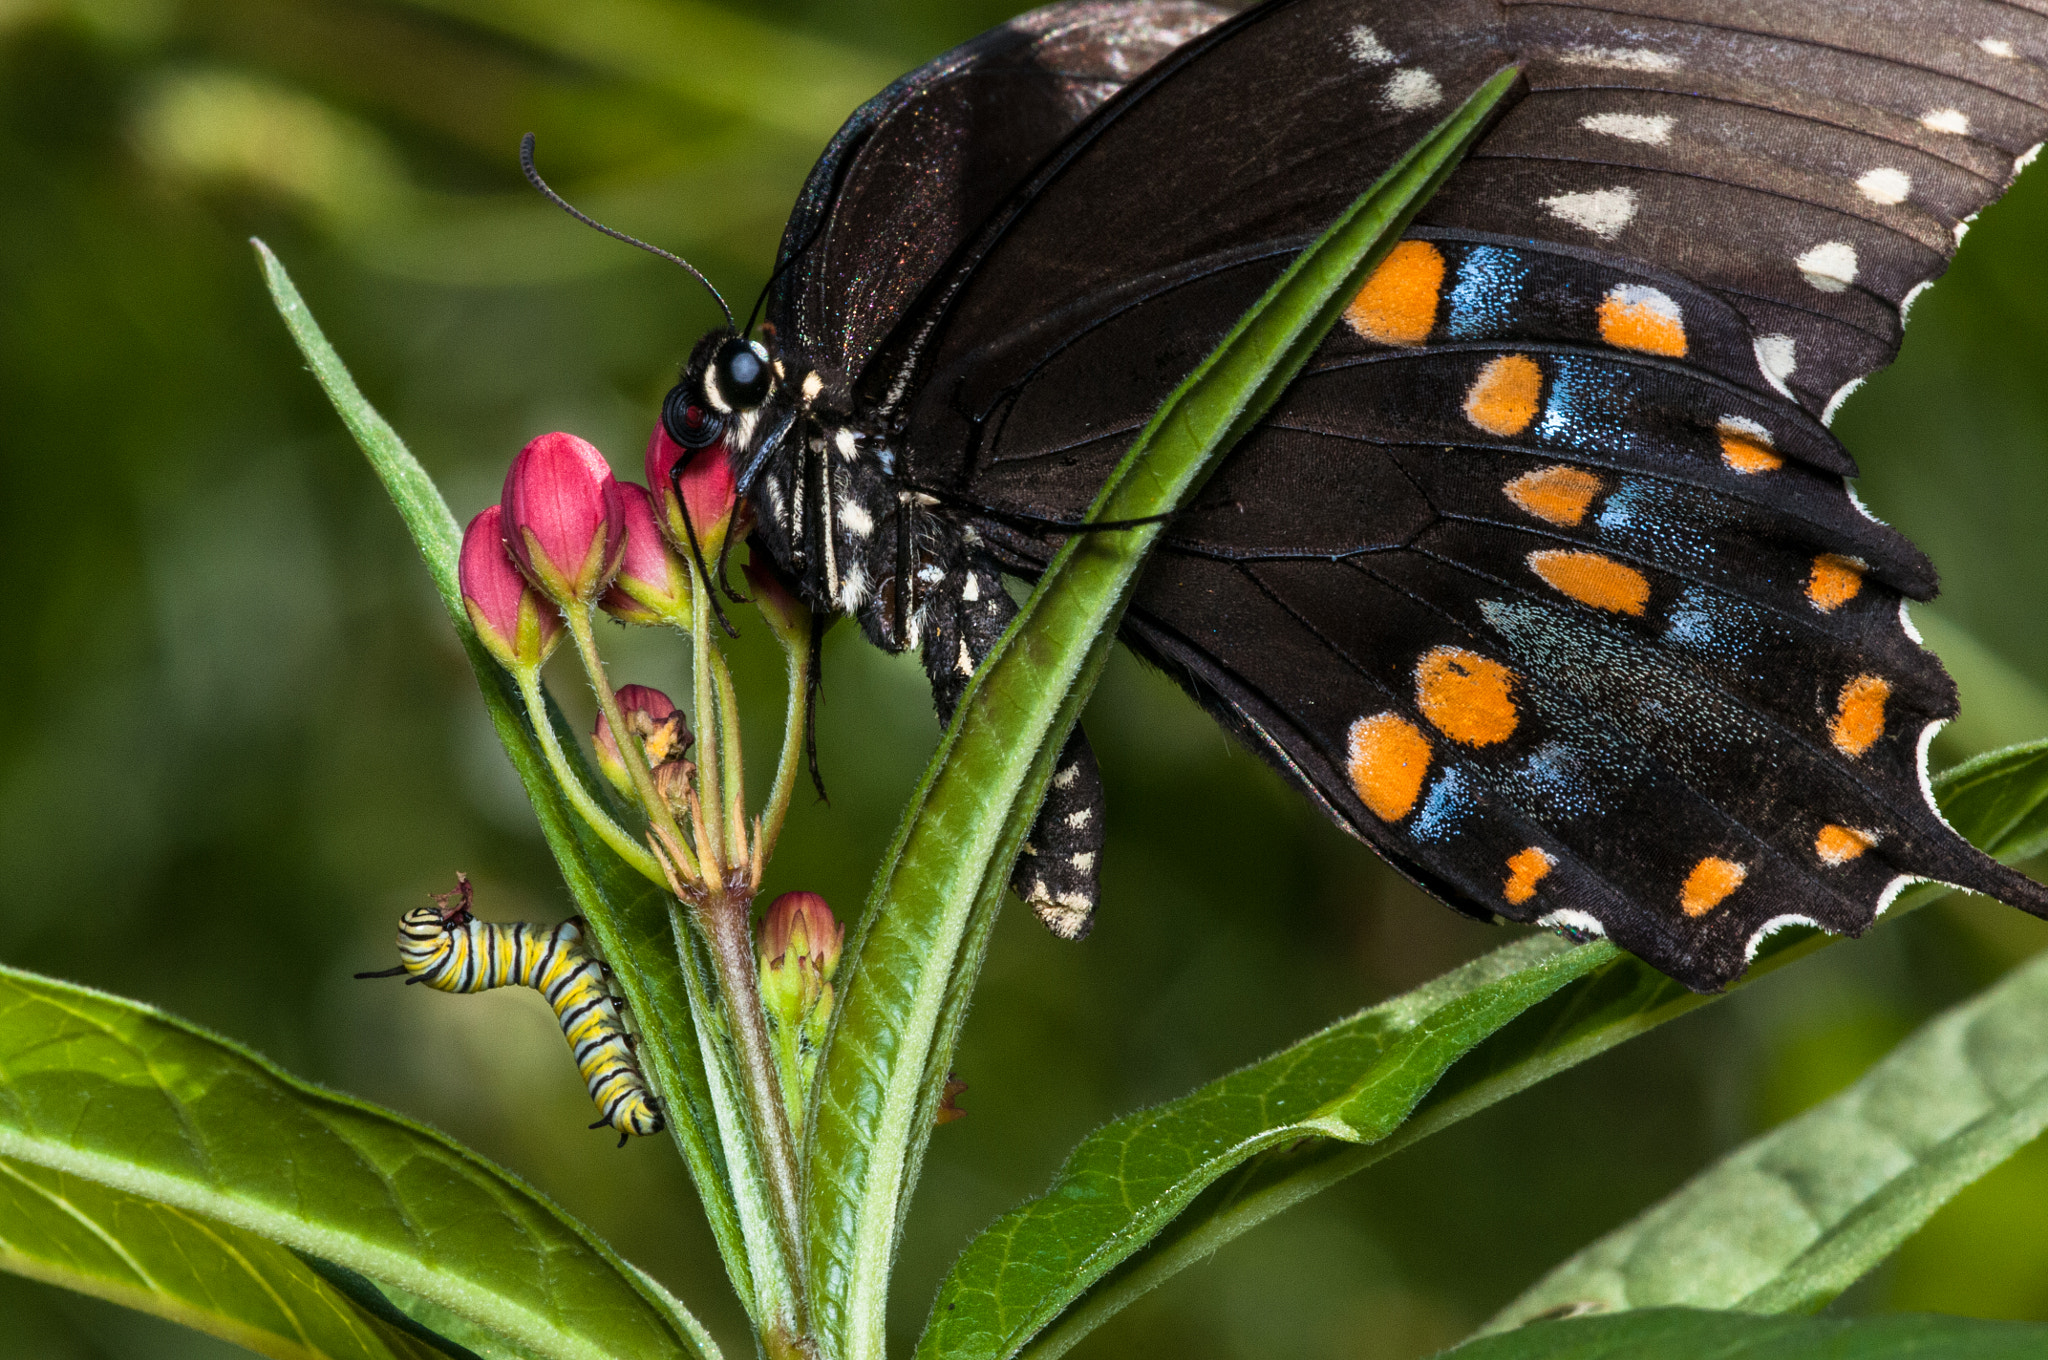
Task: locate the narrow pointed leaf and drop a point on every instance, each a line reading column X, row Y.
column 627, row 915
column 1999, row 801
column 1793, row 1218
column 65, row 1230
column 919, row 944
column 1689, row 1334
column 115, row 1093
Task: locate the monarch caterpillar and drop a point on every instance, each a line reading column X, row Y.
column 451, row 951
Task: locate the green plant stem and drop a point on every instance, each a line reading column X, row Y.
column 796, row 650
column 720, row 910
column 735, row 774
column 709, row 744
column 600, row 821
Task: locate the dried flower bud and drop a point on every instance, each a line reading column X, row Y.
column 664, row 736
column 708, row 488
column 799, row 946
column 786, row 614
column 564, row 520
column 652, row 586
column 513, row 622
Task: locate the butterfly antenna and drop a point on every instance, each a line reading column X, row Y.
column 533, row 178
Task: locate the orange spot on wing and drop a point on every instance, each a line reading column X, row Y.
column 1594, row 579
column 1397, row 306
column 1833, row 582
column 1709, row 883
column 1389, row 757
column 1468, row 697
column 1502, row 399
column 1746, row 450
column 1840, row 844
column 1557, row 495
column 1642, row 319
column 1859, row 714
column 1526, row 869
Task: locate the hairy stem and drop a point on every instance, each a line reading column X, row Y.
column 631, row 753
column 600, row 821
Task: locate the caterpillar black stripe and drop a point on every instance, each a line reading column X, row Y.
column 451, row 951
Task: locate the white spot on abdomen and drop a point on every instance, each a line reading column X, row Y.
column 1367, row 48
column 1777, row 356
column 971, row 592
column 1829, row 266
column 1604, row 212
column 1411, row 90
column 855, row 517
column 1621, row 58
column 1651, row 129
column 1885, row 185
column 1946, row 120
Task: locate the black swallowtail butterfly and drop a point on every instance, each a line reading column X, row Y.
column 1543, row 579
column 451, row 951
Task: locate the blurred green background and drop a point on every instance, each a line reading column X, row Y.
column 236, row 739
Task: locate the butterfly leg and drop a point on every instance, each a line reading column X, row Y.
column 1056, row 873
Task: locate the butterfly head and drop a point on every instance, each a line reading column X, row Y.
column 723, row 388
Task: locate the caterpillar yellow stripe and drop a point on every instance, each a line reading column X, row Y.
column 452, row 951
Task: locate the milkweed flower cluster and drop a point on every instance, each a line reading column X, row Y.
column 568, row 540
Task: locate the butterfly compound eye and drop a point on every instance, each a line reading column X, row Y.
column 741, row 374
column 686, row 422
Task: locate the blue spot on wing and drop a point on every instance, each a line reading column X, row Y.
column 1720, row 627
column 1661, row 522
column 1452, row 798
column 1489, row 287
column 1589, row 407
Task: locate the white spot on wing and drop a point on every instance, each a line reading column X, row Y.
column 1065, row 778
column 1953, row 121
column 1861, row 508
column 1411, row 90
column 1604, row 212
column 1829, row 266
column 1755, row 429
column 1891, row 892
column 1777, row 356
column 1906, row 306
column 1842, row 394
column 1885, row 185
column 2026, row 158
column 1963, row 228
column 1077, row 820
column 1651, row 129
column 1772, row 927
column 1997, row 47
column 1620, row 58
column 1578, row 922
column 1927, row 735
column 1084, row 860
column 1906, row 624
column 1366, row 47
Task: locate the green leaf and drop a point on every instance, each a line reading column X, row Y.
column 64, row 1230
column 1688, row 1334
column 1793, row 1218
column 1996, row 801
column 116, row 1094
column 628, row 917
column 920, row 942
column 1356, row 1081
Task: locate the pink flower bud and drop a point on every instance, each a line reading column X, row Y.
column 653, row 585
column 563, row 518
column 513, row 622
column 708, row 490
column 785, row 613
column 798, row 945
column 663, row 732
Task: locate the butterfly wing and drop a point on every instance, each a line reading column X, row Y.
column 1544, row 579
column 925, row 162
